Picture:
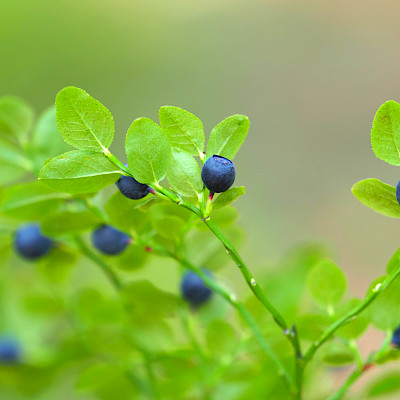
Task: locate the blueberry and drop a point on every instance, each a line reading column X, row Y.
column 396, row 337
column 218, row 174
column 131, row 188
column 194, row 290
column 10, row 351
column 30, row 243
column 398, row 192
column 109, row 240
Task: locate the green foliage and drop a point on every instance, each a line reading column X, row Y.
column 385, row 134
column 148, row 151
column 184, row 130
column 184, row 174
column 228, row 136
column 79, row 172
column 228, row 197
column 116, row 324
column 16, row 118
column 327, row 283
column 83, row 121
column 388, row 384
column 379, row 196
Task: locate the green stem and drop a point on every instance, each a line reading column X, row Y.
column 199, row 352
column 376, row 291
column 230, row 297
column 350, row 380
column 155, row 394
column 251, row 282
column 96, row 259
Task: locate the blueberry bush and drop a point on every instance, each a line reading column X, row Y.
column 82, row 232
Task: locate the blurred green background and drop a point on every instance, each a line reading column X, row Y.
column 309, row 74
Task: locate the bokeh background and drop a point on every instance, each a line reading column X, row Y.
column 309, row 74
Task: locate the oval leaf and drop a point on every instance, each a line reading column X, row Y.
column 46, row 140
column 228, row 136
column 385, row 133
column 31, row 201
column 184, row 130
column 184, row 174
column 377, row 195
column 79, row 172
column 83, row 121
column 148, row 151
column 326, row 283
column 228, row 197
column 16, row 117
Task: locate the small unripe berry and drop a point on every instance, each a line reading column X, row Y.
column 109, row 240
column 10, row 351
column 131, row 188
column 396, row 337
column 218, row 174
column 194, row 290
column 30, row 243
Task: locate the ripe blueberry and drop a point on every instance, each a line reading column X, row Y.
column 194, row 290
column 9, row 350
column 131, row 188
column 109, row 240
column 398, row 192
column 396, row 337
column 30, row 243
column 218, row 174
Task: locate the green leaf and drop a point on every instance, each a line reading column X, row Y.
column 147, row 301
column 60, row 223
column 385, row 133
column 169, row 227
column 31, row 201
column 148, row 151
column 335, row 353
column 133, row 258
column 326, row 283
column 312, row 326
column 16, row 118
column 96, row 376
column 221, row 338
column 393, row 262
column 83, row 121
column 79, row 172
column 385, row 385
column 46, row 140
column 356, row 327
column 385, row 310
column 379, row 196
column 184, row 174
column 125, row 213
column 228, row 136
column 228, row 197
column 184, row 130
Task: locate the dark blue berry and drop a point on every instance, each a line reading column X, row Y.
column 30, row 243
column 109, row 240
column 398, row 192
column 194, row 290
column 218, row 174
column 396, row 337
column 10, row 351
column 131, row 188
